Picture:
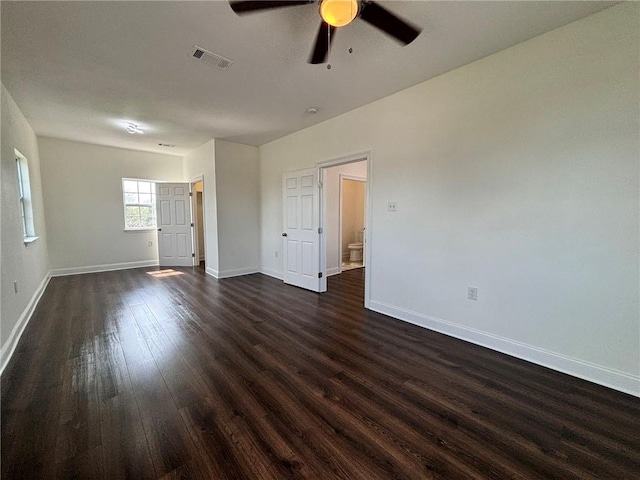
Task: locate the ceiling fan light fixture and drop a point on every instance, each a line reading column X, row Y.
column 338, row 13
column 132, row 129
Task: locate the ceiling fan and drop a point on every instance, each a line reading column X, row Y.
column 335, row 14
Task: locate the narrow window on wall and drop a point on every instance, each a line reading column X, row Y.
column 24, row 197
column 139, row 204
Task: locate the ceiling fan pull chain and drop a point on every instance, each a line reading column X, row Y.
column 328, row 47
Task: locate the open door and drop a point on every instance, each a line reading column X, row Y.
column 300, row 236
column 173, row 210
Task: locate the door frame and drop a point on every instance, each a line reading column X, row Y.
column 353, row 178
column 194, row 219
column 351, row 158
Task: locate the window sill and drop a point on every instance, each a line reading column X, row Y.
column 29, row 240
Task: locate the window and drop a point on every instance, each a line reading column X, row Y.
column 24, row 197
column 139, row 204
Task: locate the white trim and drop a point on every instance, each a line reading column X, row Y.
column 333, row 271
column 351, row 158
column 6, row 352
column 61, row 272
column 211, row 272
column 196, row 247
column 272, row 273
column 238, row 272
column 591, row 372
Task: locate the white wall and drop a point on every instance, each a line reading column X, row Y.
column 331, row 189
column 82, row 185
column 26, row 264
column 517, row 174
column 237, row 186
column 201, row 163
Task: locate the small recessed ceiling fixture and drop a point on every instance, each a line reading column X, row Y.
column 132, row 128
column 312, row 110
column 338, row 13
column 166, row 145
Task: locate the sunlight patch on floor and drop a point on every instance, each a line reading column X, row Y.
column 164, row 273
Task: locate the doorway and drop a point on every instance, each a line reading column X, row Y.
column 352, row 220
column 197, row 214
column 335, row 241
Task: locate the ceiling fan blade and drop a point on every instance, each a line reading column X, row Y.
column 386, row 21
column 321, row 48
column 246, row 6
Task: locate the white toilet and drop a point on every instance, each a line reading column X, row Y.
column 356, row 248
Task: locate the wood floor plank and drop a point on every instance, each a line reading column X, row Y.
column 126, row 375
column 124, row 443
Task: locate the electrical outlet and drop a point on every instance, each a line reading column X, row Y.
column 392, row 207
column 472, row 293
column 149, row 243
column 15, row 287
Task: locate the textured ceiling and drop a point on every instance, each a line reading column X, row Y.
column 79, row 70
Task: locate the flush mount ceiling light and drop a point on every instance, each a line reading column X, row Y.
column 132, row 128
column 338, row 13
column 312, row 110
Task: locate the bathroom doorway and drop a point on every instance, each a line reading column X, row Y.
column 352, row 221
column 334, row 241
column 197, row 214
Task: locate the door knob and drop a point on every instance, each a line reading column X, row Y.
column 159, row 229
column 284, row 235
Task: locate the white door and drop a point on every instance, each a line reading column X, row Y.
column 300, row 237
column 173, row 210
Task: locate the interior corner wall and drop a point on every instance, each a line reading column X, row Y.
column 28, row 265
column 237, row 187
column 201, row 162
column 517, row 174
column 82, row 186
column 331, row 187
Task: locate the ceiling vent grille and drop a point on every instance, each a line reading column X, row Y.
column 211, row 58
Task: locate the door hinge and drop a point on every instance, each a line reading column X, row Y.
column 192, row 224
column 193, row 255
column 319, row 274
column 319, row 184
column 191, row 194
column 319, row 229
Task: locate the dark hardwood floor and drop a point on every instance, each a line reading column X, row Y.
column 129, row 375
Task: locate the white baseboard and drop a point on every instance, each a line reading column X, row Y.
column 211, row 272
column 608, row 377
column 238, row 272
column 333, row 271
column 6, row 352
column 272, row 273
column 60, row 272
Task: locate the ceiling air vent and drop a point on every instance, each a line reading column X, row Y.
column 211, row 58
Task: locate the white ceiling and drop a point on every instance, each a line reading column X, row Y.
column 78, row 70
